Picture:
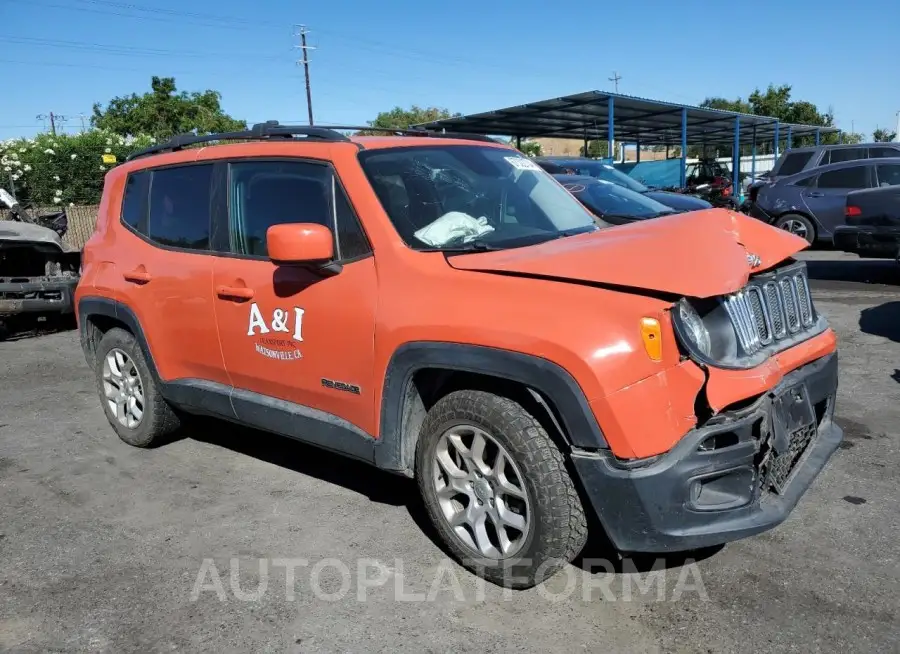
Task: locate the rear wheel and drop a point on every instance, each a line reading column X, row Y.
column 129, row 394
column 798, row 225
column 497, row 490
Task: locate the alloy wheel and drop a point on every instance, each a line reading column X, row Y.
column 123, row 388
column 795, row 227
column 481, row 492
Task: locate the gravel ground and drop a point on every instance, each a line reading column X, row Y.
column 104, row 547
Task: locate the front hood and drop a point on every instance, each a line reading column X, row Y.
column 11, row 230
column 678, row 200
column 698, row 254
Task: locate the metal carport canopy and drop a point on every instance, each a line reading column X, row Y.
column 649, row 122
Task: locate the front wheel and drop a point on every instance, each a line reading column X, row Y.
column 497, row 490
column 798, row 225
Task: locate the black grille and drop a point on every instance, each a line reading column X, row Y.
column 770, row 308
column 776, row 471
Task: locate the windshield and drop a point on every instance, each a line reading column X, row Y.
column 608, row 199
column 601, row 170
column 448, row 197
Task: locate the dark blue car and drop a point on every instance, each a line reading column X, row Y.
column 607, row 172
column 811, row 203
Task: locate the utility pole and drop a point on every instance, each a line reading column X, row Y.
column 615, row 79
column 82, row 116
column 54, row 118
column 897, row 133
column 302, row 32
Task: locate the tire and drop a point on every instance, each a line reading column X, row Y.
column 118, row 350
column 554, row 528
column 797, row 224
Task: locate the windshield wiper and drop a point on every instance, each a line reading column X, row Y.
column 472, row 246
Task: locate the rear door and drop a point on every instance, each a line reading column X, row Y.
column 164, row 266
column 827, row 198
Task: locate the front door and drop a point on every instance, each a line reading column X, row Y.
column 826, row 199
column 291, row 333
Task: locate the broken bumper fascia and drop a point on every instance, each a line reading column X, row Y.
column 694, row 496
column 43, row 296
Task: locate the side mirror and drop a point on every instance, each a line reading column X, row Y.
column 300, row 243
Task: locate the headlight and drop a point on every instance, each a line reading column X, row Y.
column 705, row 330
column 693, row 328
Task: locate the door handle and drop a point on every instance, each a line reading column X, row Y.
column 137, row 276
column 234, row 292
column 815, row 194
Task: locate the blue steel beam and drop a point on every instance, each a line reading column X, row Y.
column 610, row 127
column 790, row 140
column 817, row 136
column 775, row 140
column 683, row 146
column 753, row 155
column 736, row 159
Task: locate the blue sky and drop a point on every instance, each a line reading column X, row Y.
column 467, row 56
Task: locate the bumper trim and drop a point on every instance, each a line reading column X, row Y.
column 660, row 507
column 14, row 298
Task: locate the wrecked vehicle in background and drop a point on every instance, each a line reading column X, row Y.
column 38, row 273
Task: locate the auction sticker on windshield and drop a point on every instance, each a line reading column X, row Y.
column 522, row 163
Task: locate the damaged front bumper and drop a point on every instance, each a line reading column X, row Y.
column 738, row 475
column 44, row 295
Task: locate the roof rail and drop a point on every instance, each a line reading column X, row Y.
column 417, row 131
column 271, row 129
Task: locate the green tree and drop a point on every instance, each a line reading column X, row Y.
column 530, row 148
column 164, row 112
column 400, row 118
column 597, row 149
column 883, row 136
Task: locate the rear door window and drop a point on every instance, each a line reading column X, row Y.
column 888, row 174
column 845, row 154
column 180, row 199
column 794, row 163
column 853, row 177
column 882, row 152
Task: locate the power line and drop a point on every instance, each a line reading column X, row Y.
column 54, row 119
column 302, row 32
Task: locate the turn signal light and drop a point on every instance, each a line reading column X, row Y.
column 651, row 334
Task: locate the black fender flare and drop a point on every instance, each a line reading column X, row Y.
column 547, row 378
column 89, row 306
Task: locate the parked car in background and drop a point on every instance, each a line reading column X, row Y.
column 605, row 171
column 613, row 204
column 38, row 272
column 873, row 223
column 798, row 160
column 811, row 203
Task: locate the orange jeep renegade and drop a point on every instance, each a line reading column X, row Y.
column 443, row 309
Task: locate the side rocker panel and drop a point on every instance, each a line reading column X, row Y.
column 549, row 379
column 240, row 406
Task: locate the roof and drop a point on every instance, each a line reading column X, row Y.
column 585, row 115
